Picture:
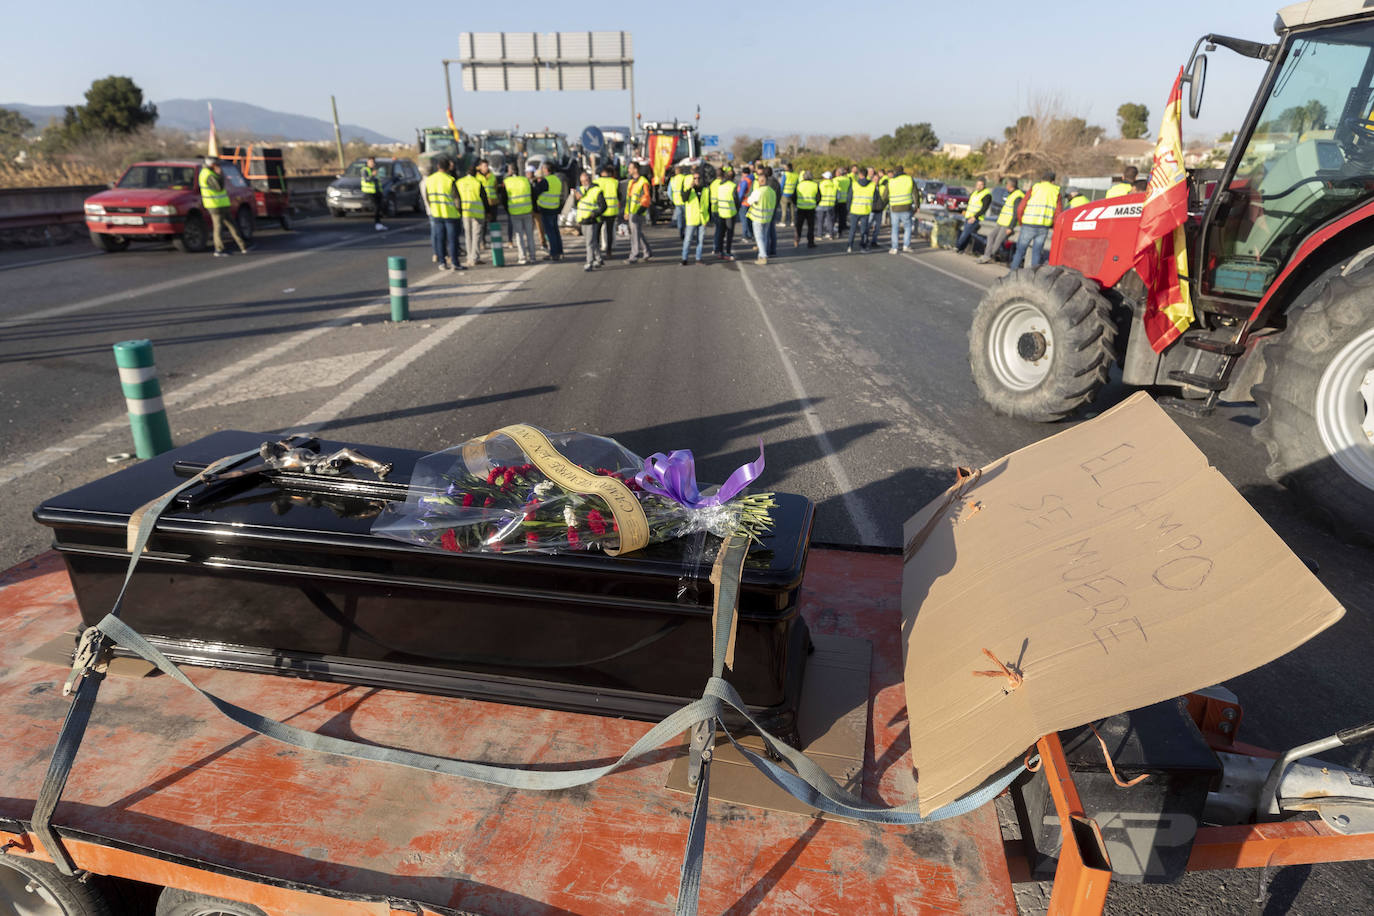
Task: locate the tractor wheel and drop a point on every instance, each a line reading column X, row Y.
column 38, row 888
column 176, row 902
column 1041, row 344
column 1317, row 405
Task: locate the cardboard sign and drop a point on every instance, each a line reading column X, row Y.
column 1108, row 567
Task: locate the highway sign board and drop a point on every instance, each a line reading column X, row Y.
column 770, row 149
column 710, row 140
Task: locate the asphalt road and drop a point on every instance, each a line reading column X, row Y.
column 851, row 368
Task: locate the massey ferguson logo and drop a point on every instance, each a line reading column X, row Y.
column 1088, row 218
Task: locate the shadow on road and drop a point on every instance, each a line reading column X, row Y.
column 440, row 407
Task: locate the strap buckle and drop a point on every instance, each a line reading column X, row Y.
column 92, row 655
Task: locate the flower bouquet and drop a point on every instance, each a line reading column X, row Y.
column 524, row 489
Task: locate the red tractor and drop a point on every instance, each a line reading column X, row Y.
column 1280, row 245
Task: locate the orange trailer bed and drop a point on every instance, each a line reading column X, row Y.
column 166, row 791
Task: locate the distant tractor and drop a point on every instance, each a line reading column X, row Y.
column 683, row 142
column 1280, row 245
column 542, row 147
column 434, row 142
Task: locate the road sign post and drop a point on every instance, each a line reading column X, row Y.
column 710, row 140
column 770, row 149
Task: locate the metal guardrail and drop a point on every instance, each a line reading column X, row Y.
column 30, row 208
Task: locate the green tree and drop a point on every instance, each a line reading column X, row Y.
column 1227, row 137
column 907, row 140
column 746, row 148
column 114, row 105
column 1300, row 118
column 1134, row 119
column 12, row 127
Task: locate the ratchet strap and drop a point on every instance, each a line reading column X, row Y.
column 802, row 778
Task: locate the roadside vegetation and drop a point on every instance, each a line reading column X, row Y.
column 93, row 143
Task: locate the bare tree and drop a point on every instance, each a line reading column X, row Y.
column 1048, row 137
column 854, row 147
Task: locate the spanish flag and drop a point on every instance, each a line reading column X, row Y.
column 1161, row 248
column 661, row 149
column 453, row 127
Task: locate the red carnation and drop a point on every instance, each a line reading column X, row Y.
column 596, row 522
column 449, row 541
column 467, row 500
column 573, row 539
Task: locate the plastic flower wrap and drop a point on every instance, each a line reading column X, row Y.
column 524, row 489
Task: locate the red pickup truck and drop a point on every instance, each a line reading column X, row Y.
column 161, row 200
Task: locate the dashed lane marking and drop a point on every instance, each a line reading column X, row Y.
column 864, row 523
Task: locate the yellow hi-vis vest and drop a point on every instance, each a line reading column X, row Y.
column 439, row 191
column 828, row 191
column 1119, row 188
column 861, row 200
column 489, row 182
column 518, row 195
column 725, row 200
column 470, row 193
column 842, row 189
column 789, row 183
column 698, row 204
column 587, row 204
column 1041, row 205
column 637, row 197
column 368, row 181
column 676, row 185
column 552, row 197
column 211, row 199
column 900, row 191
column 1077, row 200
column 1008, row 215
column 808, row 193
column 610, row 189
column 763, row 207
column 977, row 204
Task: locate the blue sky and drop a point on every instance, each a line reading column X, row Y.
column 806, row 68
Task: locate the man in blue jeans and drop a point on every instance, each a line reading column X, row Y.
column 772, row 246
column 902, row 203
column 1042, row 204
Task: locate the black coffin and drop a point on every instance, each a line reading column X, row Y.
column 275, row 576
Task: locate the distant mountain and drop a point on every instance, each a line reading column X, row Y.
column 38, row 114
column 238, row 118
column 261, row 123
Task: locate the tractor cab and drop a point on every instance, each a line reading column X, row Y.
column 1305, row 157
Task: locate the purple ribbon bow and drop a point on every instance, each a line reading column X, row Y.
column 675, row 476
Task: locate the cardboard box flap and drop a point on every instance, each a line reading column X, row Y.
column 1111, row 567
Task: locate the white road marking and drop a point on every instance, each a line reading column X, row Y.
column 365, row 386
column 293, row 377
column 247, row 262
column 864, row 523
column 948, row 273
column 207, row 383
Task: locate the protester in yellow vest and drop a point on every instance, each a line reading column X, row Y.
column 590, row 206
column 441, row 201
column 763, row 200
column 724, row 207
column 825, row 210
column 790, row 179
column 610, row 191
column 638, row 199
column 1077, row 198
column 675, row 188
column 875, row 222
column 974, row 210
column 861, row 192
column 696, row 202
column 842, row 183
column 808, row 197
column 1127, row 183
column 1042, row 205
column 517, row 198
column 1006, row 218
column 371, row 188
column 548, row 201
column 474, row 204
column 901, row 203
column 214, row 198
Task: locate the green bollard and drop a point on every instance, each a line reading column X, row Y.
column 396, row 280
column 498, row 254
column 143, row 396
